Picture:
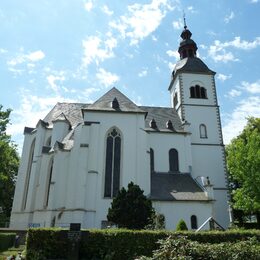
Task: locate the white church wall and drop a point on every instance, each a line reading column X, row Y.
column 209, row 162
column 59, row 131
column 59, row 180
column 161, row 143
column 177, row 210
column 47, row 139
column 36, row 165
column 133, row 149
column 199, row 115
column 42, row 186
column 221, row 208
column 22, row 172
column 206, row 81
column 175, row 88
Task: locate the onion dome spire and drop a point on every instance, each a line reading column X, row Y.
column 187, row 46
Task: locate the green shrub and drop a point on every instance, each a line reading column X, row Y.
column 181, row 226
column 130, row 208
column 182, row 248
column 129, row 244
column 6, row 240
column 119, row 243
column 48, row 243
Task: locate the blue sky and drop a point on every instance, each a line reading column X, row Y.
column 76, row 50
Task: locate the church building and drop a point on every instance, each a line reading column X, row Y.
column 80, row 155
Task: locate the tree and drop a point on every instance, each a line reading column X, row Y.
column 130, row 208
column 9, row 161
column 157, row 222
column 243, row 163
column 181, row 226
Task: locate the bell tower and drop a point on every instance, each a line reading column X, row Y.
column 193, row 95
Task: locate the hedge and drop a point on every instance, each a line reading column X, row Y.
column 6, row 240
column 183, row 248
column 119, row 243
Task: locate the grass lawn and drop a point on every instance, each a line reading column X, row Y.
column 11, row 251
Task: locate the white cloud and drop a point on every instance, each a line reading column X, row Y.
column 88, row 5
column 106, row 78
column 253, row 88
column 52, row 81
column 233, row 93
column 218, row 51
column 30, row 57
column 97, row 51
column 143, row 73
column 88, row 91
column 221, row 55
column 171, row 66
column 3, row 50
column 229, row 17
column 254, row 1
column 236, row 120
column 191, row 9
column 106, row 10
column 174, row 54
column 142, row 20
column 35, row 56
column 177, row 25
column 31, row 109
column 154, row 38
column 238, row 44
column 223, row 77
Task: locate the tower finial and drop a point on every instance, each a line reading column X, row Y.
column 184, row 20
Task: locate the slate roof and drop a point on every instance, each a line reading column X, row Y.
column 175, row 187
column 71, row 111
column 104, row 103
column 189, row 64
column 161, row 115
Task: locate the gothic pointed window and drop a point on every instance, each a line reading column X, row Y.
column 28, row 175
column 194, row 223
column 49, row 181
column 151, row 160
column 203, row 131
column 173, row 160
column 113, row 160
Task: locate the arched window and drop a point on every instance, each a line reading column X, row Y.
column 28, row 175
column 198, row 92
column 113, row 158
column 175, row 99
column 203, row 131
column 173, row 160
column 192, row 92
column 151, row 160
column 203, row 92
column 193, row 221
column 49, row 178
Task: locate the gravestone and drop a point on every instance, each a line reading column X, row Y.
column 74, row 236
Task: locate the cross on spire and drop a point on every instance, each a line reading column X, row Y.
column 184, row 20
